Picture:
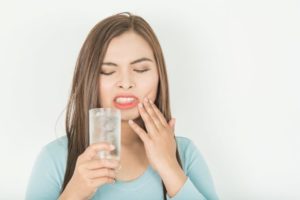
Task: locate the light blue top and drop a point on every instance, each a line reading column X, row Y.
column 48, row 173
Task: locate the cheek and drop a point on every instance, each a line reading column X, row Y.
column 105, row 88
column 149, row 86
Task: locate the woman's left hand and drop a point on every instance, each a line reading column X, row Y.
column 159, row 142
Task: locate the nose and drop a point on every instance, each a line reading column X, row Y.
column 125, row 82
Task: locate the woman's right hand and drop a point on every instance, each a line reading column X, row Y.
column 91, row 173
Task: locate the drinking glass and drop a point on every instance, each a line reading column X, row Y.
column 105, row 126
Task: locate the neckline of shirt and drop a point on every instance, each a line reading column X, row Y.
column 135, row 183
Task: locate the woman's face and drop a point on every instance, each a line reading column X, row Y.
column 128, row 74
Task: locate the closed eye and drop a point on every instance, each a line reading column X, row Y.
column 136, row 70
column 141, row 71
column 110, row 73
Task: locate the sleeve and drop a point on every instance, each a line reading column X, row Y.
column 43, row 182
column 199, row 184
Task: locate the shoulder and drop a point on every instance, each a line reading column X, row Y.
column 183, row 141
column 54, row 155
column 55, row 151
column 185, row 144
column 188, row 151
column 59, row 144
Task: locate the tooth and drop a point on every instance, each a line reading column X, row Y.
column 124, row 100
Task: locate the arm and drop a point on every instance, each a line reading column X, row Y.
column 196, row 184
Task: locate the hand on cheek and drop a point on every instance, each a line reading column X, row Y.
column 159, row 140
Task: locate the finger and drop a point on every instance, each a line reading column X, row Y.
column 150, row 126
column 92, row 174
column 159, row 114
column 93, row 150
column 101, row 181
column 96, row 164
column 152, row 113
column 138, row 130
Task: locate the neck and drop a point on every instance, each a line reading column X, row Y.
column 128, row 135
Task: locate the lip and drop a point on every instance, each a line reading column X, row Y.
column 126, row 105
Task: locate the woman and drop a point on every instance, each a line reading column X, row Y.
column 121, row 65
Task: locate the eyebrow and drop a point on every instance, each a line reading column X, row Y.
column 133, row 62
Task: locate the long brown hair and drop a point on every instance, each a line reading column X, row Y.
column 85, row 92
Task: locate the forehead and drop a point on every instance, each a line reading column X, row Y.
column 128, row 47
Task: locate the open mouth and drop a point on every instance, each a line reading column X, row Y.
column 126, row 102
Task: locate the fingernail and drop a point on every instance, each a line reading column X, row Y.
column 140, row 105
column 146, row 99
column 130, row 121
column 112, row 147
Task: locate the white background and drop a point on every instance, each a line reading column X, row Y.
column 234, row 79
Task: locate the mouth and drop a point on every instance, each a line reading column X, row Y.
column 125, row 101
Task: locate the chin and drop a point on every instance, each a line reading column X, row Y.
column 127, row 115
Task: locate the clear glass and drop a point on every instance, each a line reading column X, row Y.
column 105, row 126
